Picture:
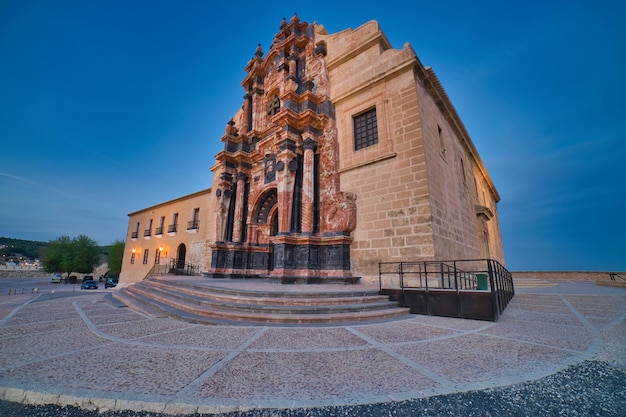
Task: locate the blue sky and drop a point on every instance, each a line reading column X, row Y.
column 108, row 107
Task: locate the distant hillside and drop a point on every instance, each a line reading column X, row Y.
column 10, row 247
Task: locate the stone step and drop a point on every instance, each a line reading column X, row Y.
column 266, row 305
column 195, row 302
column 276, row 298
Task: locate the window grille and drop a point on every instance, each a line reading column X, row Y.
column 365, row 130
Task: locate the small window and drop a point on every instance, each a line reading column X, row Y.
column 132, row 258
column 442, row 144
column 157, row 257
column 273, row 106
column 145, row 257
column 463, row 171
column 365, row 130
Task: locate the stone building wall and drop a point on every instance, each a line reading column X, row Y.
column 418, row 189
column 167, row 241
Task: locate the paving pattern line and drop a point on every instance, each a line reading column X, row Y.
column 192, row 386
column 408, row 362
column 137, row 341
column 18, row 308
column 596, row 344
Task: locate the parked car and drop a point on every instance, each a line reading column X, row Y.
column 56, row 279
column 110, row 283
column 88, row 283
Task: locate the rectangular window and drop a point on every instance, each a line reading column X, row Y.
column 136, row 232
column 193, row 224
column 159, row 230
column 145, row 257
column 157, row 257
column 174, row 226
column 148, row 231
column 132, row 258
column 365, row 129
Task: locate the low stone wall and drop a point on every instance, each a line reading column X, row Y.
column 17, row 272
column 565, row 275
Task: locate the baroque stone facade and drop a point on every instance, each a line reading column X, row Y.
column 345, row 153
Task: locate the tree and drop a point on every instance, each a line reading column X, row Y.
column 114, row 257
column 79, row 254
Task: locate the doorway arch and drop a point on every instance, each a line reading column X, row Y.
column 181, row 254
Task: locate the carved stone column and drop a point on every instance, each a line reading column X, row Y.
column 247, row 113
column 308, row 179
column 286, row 167
column 238, row 222
column 223, row 204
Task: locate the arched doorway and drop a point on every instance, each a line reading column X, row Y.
column 181, row 254
column 265, row 219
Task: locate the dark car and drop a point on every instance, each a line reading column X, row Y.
column 110, row 283
column 88, row 283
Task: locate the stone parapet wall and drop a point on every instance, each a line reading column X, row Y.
column 565, row 275
column 25, row 273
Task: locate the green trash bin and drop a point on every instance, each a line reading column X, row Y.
column 482, row 282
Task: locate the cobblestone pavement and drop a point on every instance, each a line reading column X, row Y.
column 79, row 350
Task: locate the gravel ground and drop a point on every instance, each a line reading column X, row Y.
column 591, row 388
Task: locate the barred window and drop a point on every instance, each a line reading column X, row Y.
column 365, row 130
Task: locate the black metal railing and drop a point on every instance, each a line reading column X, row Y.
column 172, row 228
column 180, row 267
column 147, row 233
column 158, row 231
column 133, row 235
column 193, row 225
column 614, row 276
column 458, row 275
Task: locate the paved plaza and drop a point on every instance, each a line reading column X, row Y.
column 75, row 348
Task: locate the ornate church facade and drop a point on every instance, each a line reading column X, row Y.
column 345, row 153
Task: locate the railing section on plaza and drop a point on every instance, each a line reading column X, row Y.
column 450, row 288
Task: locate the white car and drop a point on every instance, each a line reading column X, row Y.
column 56, row 279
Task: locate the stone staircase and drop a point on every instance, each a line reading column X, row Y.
column 253, row 301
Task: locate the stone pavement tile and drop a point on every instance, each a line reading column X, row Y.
column 562, row 336
column 405, row 331
column 122, row 317
column 547, row 308
column 478, row 359
column 119, row 369
column 614, row 345
column 307, row 338
column 203, row 336
column 464, row 325
column 555, row 319
column 35, row 347
column 38, row 327
column 354, row 376
column 536, row 299
column 137, row 329
column 602, row 302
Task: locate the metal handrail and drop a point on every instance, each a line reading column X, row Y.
column 180, row 267
column 458, row 275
